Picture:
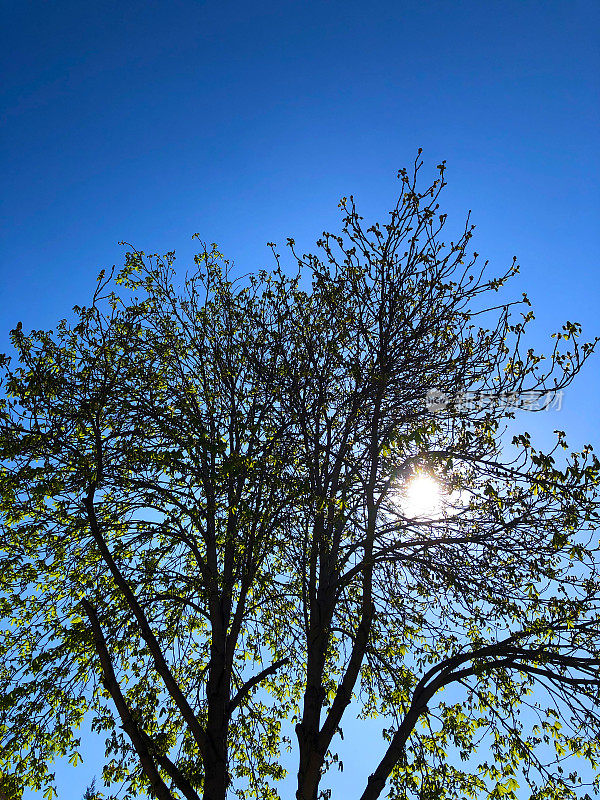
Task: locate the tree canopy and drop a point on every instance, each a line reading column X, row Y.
column 206, row 538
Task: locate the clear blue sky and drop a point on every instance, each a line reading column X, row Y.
column 149, row 121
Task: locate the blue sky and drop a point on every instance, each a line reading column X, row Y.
column 245, row 122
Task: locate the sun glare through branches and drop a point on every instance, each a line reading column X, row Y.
column 422, row 496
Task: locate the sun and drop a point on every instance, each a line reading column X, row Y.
column 422, row 496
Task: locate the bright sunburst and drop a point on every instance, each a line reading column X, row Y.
column 422, row 496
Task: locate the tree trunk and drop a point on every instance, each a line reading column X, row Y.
column 216, row 773
column 307, row 731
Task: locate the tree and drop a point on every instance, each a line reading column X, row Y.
column 90, row 792
column 206, row 535
column 138, row 507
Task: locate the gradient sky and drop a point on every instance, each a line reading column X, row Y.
column 245, row 122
